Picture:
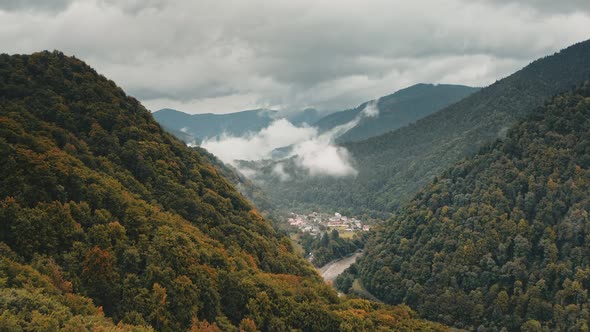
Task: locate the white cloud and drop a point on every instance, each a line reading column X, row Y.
column 256, row 146
column 247, row 172
column 47, row 6
column 278, row 170
column 314, row 153
column 371, row 110
column 222, row 56
column 321, row 156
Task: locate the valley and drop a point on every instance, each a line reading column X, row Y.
column 110, row 223
column 314, row 223
column 394, row 236
column 302, row 166
column 325, row 238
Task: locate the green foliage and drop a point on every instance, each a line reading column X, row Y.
column 31, row 301
column 394, row 166
column 100, row 207
column 330, row 246
column 499, row 239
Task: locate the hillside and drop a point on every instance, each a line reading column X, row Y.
column 106, row 219
column 397, row 110
column 246, row 187
column 394, row 166
column 499, row 239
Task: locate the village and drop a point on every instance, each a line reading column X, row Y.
column 316, row 223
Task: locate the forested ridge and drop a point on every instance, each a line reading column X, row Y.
column 396, row 110
column 394, row 166
column 500, row 240
column 109, row 223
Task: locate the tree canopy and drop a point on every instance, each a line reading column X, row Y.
column 499, row 240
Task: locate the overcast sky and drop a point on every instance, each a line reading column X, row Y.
column 221, row 56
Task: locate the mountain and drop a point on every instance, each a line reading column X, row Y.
column 394, row 166
column 306, row 117
column 201, row 126
column 108, row 222
column 499, row 240
column 197, row 127
column 397, row 110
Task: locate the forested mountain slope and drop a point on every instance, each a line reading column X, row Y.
column 500, row 239
column 246, row 187
column 393, row 167
column 397, row 110
column 98, row 204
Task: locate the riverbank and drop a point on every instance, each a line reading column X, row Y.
column 333, row 269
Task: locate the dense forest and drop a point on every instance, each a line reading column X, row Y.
column 499, row 240
column 330, row 246
column 109, row 223
column 394, row 166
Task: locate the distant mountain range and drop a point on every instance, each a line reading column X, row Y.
column 393, row 166
column 397, row 110
column 196, row 127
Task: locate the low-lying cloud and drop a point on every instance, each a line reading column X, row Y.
column 278, row 170
column 313, row 152
column 321, row 156
column 259, row 145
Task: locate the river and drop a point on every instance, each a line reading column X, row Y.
column 333, row 269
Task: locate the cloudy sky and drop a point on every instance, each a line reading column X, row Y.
column 222, row 56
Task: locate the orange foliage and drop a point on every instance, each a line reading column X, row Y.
column 97, row 263
column 203, row 326
column 247, row 325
